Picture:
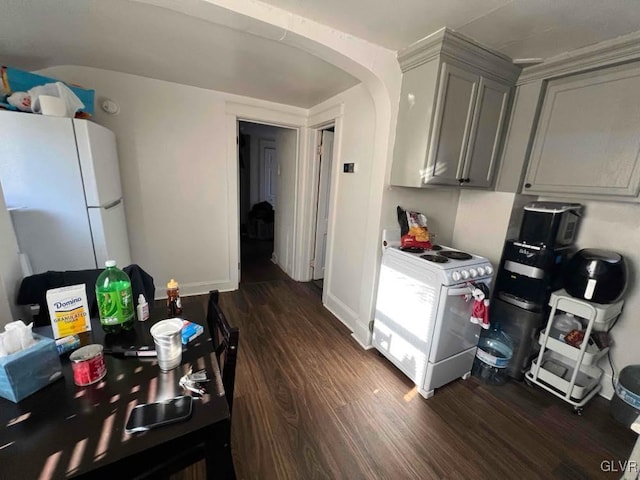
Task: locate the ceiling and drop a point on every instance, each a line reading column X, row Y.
column 142, row 39
column 159, row 43
column 517, row 28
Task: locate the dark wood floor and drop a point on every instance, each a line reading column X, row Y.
column 255, row 262
column 310, row 403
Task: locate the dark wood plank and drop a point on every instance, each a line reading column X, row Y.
column 310, row 403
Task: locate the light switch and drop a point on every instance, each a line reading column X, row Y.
column 349, row 168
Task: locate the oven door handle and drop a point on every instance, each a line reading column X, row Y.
column 458, row 292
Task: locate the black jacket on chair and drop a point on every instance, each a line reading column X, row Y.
column 33, row 289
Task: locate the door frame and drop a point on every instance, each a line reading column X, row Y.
column 317, row 122
column 292, row 118
column 263, row 144
column 318, row 165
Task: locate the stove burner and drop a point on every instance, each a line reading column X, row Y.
column 436, row 248
column 455, row 255
column 435, row 258
column 412, row 249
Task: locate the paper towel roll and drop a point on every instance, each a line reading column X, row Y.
column 53, row 106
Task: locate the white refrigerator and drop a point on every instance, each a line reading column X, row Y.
column 61, row 182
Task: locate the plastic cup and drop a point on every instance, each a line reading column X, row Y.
column 167, row 337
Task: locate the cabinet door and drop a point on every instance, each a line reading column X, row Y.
column 486, row 133
column 452, row 125
column 415, row 115
column 588, row 136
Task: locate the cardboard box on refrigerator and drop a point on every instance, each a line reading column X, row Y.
column 27, row 371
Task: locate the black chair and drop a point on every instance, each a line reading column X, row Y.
column 225, row 342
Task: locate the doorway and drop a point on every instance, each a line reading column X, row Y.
column 260, row 180
column 325, row 161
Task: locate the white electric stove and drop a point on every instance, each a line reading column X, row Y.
column 423, row 309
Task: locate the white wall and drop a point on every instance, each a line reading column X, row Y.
column 482, row 222
column 10, row 272
column 348, row 204
column 439, row 205
column 173, row 158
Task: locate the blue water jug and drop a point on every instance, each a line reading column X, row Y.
column 493, row 355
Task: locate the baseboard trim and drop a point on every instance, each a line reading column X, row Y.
column 359, row 332
column 607, row 389
column 367, row 346
column 198, row 288
column 339, row 310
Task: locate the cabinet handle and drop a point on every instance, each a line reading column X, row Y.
column 527, row 185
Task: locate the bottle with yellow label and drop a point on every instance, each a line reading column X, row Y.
column 115, row 299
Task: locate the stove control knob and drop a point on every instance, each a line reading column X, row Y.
column 464, row 274
column 455, row 276
column 488, row 269
column 473, row 273
column 481, row 271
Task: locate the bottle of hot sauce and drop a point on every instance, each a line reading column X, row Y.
column 174, row 305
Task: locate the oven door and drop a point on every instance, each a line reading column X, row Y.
column 454, row 333
column 405, row 313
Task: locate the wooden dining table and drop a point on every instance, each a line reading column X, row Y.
column 67, row 431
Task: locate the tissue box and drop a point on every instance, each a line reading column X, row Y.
column 27, row 371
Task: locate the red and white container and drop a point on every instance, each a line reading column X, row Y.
column 88, row 365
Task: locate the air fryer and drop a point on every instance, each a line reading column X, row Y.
column 599, row 276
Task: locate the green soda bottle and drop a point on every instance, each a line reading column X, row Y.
column 115, row 299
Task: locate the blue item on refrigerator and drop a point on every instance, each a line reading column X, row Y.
column 15, row 80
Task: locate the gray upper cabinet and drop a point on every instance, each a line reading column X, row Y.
column 587, row 139
column 452, row 126
column 452, row 112
column 486, row 133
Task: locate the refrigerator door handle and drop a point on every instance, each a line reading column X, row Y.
column 113, row 204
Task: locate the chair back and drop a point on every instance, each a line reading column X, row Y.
column 225, row 343
column 33, row 289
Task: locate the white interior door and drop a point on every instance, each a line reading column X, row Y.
column 285, row 171
column 322, row 216
column 269, row 174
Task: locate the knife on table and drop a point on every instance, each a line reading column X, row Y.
column 133, row 351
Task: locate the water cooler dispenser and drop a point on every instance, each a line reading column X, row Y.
column 530, row 269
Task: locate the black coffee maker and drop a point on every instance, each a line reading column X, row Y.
column 530, row 269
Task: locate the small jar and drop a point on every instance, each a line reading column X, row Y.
column 174, row 304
